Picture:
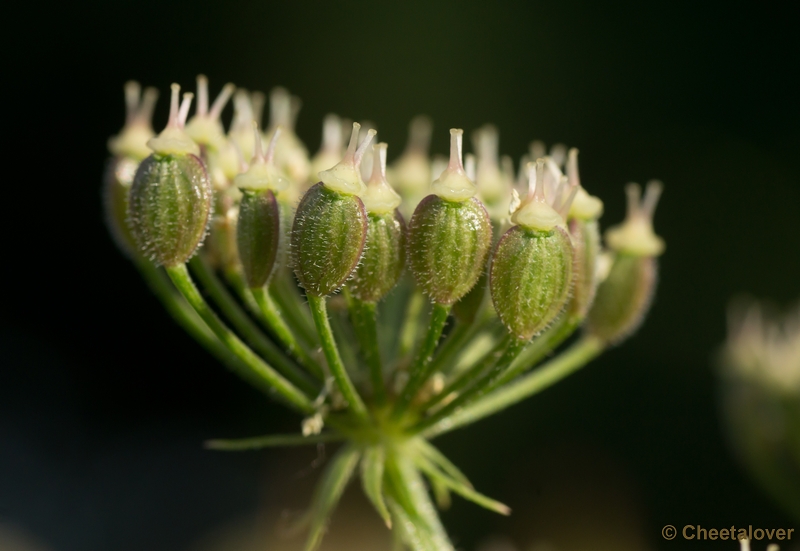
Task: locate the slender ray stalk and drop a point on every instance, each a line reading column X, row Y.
column 272, row 441
column 364, row 317
column 247, row 328
column 421, row 368
column 278, row 326
column 319, row 312
column 252, row 368
column 572, row 359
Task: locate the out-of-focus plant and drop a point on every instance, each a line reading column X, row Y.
column 760, row 369
column 313, row 303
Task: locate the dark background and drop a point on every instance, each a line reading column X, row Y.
column 104, row 402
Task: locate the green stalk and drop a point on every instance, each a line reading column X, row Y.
column 281, row 330
column 453, row 344
column 575, row 357
column 364, row 317
column 282, row 288
column 539, row 348
column 421, row 368
column 252, row 367
column 410, row 329
column 235, row 279
column 186, row 317
column 456, row 341
column 273, row 320
column 479, row 388
column 271, row 441
column 344, row 335
column 466, row 377
column 245, row 326
column 319, row 312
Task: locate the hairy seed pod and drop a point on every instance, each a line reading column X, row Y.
column 385, row 251
column 328, row 237
column 258, row 230
column 169, row 207
column 170, row 200
column 623, row 298
column 450, row 233
column 384, row 257
column 448, row 243
column 531, row 278
column 128, row 149
column 116, row 187
column 257, row 236
column 586, row 240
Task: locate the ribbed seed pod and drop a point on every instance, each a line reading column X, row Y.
column 257, row 236
column 128, row 148
column 258, row 230
column 531, row 278
column 116, row 188
column 328, row 237
column 624, row 297
column 330, row 225
column 585, row 232
column 532, row 267
column 170, row 201
column 586, row 240
column 448, row 243
column 450, row 233
column 169, row 207
column 385, row 251
column 384, row 257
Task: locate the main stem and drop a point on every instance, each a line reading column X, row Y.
column 575, row 357
column 319, row 312
column 256, row 368
column 421, row 369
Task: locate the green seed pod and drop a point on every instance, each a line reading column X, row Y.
column 586, row 240
column 533, row 264
column 385, row 251
column 330, row 225
column 258, row 228
column 116, row 188
column 257, row 236
column 585, row 232
column 624, row 297
column 450, row 234
column 531, row 278
column 128, row 148
column 170, row 199
column 328, row 238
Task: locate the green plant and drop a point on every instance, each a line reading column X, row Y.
column 370, row 355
